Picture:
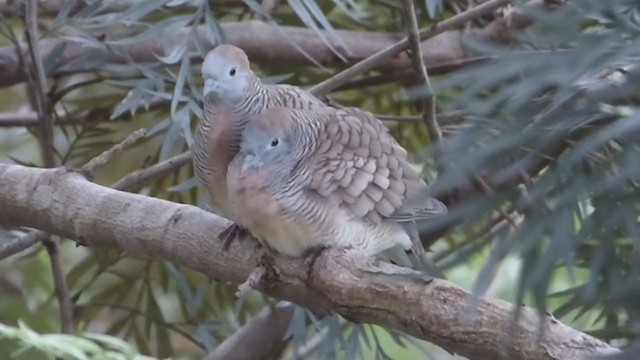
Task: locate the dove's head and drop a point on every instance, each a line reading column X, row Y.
column 271, row 141
column 226, row 73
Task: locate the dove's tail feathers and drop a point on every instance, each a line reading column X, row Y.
column 423, row 209
column 424, row 264
column 397, row 256
column 410, row 259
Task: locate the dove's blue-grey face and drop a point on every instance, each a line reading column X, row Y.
column 225, row 76
column 265, row 147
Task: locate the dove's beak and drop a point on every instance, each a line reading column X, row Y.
column 251, row 161
column 209, row 86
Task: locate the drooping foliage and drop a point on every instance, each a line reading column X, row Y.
column 538, row 162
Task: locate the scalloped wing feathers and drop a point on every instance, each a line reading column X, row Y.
column 291, row 97
column 358, row 164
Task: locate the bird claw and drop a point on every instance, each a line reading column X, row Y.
column 231, row 233
column 258, row 246
column 311, row 256
column 265, row 260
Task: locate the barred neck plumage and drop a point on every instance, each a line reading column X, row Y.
column 200, row 146
column 293, row 174
column 309, row 125
column 289, row 179
column 254, row 99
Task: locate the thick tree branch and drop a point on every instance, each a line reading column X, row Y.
column 445, row 48
column 387, row 54
column 52, row 7
column 62, row 202
column 250, row 36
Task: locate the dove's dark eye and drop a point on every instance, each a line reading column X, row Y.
column 275, row 142
column 232, row 71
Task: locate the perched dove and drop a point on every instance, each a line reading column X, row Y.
column 232, row 92
column 327, row 177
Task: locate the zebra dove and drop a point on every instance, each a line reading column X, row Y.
column 327, row 178
column 232, row 92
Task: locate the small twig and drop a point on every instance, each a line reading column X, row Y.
column 32, row 119
column 489, row 191
column 21, row 243
column 142, row 176
column 45, row 112
column 372, row 61
column 101, row 160
column 434, row 69
column 331, row 102
column 429, row 101
column 171, row 326
column 19, row 120
column 491, row 226
column 40, row 86
column 60, row 283
column 58, row 95
column 252, row 282
column 444, row 117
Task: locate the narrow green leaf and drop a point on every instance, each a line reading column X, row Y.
column 176, row 54
column 185, row 69
column 434, row 8
column 90, row 9
column 63, row 17
column 155, row 31
column 180, row 280
column 215, row 33
column 256, row 7
column 79, row 270
column 52, row 59
column 303, row 12
column 170, row 140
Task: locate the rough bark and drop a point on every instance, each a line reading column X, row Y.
column 62, row 202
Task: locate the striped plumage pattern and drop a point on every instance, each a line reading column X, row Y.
column 346, row 210
column 333, row 178
column 217, row 138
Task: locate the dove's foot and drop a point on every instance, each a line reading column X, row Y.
column 229, row 234
column 311, row 255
